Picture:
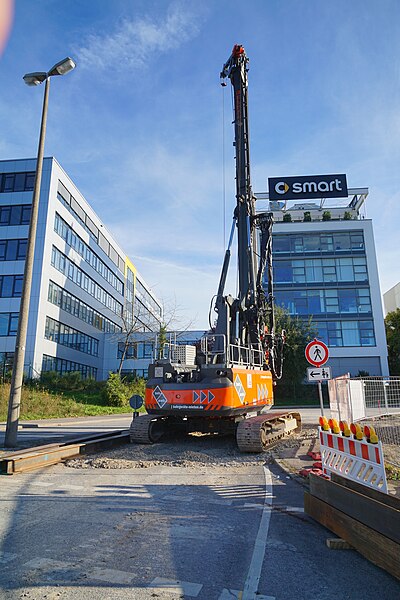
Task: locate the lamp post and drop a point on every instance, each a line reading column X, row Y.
column 61, row 68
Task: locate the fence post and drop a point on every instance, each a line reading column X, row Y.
column 385, row 386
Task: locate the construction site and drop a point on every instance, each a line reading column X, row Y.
column 208, row 489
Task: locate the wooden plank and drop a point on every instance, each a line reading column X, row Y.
column 382, row 518
column 366, row 491
column 374, row 546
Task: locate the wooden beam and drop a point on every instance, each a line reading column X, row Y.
column 366, row 491
column 378, row 516
column 374, row 546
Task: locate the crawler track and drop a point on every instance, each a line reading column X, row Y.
column 257, row 434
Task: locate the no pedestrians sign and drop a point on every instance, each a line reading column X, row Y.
column 317, row 353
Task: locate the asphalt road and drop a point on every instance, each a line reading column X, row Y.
column 168, row 533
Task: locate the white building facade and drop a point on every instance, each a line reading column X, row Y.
column 85, row 291
column 325, row 268
column 391, row 299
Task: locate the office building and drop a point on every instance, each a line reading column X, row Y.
column 391, row 299
column 325, row 267
column 85, row 291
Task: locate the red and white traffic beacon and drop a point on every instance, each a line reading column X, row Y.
column 317, row 354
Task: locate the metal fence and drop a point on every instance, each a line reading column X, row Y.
column 370, row 400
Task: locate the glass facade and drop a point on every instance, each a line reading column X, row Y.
column 80, row 215
column 17, row 182
column 70, row 337
column 19, row 214
column 63, row 264
column 52, row 363
column 13, row 249
column 11, row 286
column 324, row 276
column 73, row 305
column 74, row 241
column 8, row 323
column 136, row 350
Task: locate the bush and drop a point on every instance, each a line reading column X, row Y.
column 287, row 218
column 347, row 216
column 326, row 215
column 115, row 392
column 50, row 379
column 307, row 216
column 70, row 381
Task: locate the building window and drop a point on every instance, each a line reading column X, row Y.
column 15, row 215
column 346, row 333
column 17, row 182
column 321, row 270
column 73, row 305
column 60, row 365
column 144, row 350
column 8, row 324
column 60, row 262
column 74, row 207
column 70, row 337
column 68, row 235
column 11, row 286
column 130, row 351
column 319, row 243
column 327, row 301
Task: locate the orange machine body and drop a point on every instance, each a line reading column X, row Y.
column 239, row 392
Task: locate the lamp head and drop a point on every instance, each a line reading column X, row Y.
column 34, row 78
column 62, row 67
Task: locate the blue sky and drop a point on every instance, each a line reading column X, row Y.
column 142, row 128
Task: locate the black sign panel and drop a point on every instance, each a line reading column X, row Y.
column 307, row 186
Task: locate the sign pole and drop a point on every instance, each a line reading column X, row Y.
column 321, row 400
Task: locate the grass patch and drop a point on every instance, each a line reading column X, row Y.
column 39, row 403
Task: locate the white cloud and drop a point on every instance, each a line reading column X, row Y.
column 135, row 41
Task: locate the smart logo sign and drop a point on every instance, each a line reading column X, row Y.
column 307, row 186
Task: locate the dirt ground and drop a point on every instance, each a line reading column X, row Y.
column 197, row 450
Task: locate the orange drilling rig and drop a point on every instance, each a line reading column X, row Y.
column 225, row 385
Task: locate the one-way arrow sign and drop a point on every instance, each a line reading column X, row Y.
column 319, row 374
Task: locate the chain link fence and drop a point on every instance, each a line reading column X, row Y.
column 370, row 400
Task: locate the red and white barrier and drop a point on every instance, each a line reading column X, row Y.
column 354, row 459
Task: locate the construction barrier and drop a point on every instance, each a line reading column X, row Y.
column 352, row 452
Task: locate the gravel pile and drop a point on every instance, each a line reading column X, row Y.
column 193, row 450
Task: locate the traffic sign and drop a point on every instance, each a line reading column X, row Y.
column 317, row 353
column 319, row 373
column 136, row 401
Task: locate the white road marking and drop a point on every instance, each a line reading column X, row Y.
column 250, row 591
column 297, row 509
column 41, row 483
column 111, row 575
column 175, row 586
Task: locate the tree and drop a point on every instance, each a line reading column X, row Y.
column 140, row 329
column 298, row 334
column 392, row 325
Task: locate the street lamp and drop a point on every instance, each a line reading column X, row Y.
column 61, row 68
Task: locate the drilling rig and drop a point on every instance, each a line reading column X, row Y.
column 225, row 385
